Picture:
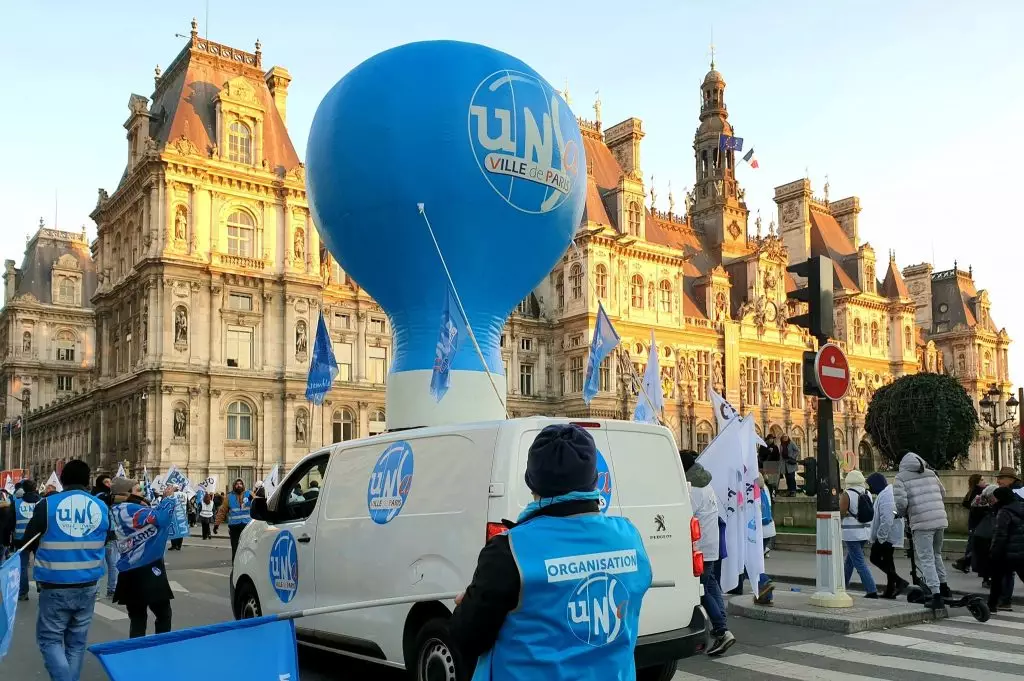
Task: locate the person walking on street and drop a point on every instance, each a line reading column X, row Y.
column 511, row 620
column 886, row 535
column 975, row 486
column 142, row 535
column 789, row 454
column 705, row 508
column 919, row 497
column 235, row 511
column 206, row 514
column 857, row 510
column 218, row 501
column 1007, row 551
column 981, row 562
column 24, row 508
column 73, row 527
column 101, row 490
column 1007, row 477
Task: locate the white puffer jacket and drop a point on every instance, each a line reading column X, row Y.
column 920, row 495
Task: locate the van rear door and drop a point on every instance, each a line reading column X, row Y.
column 650, row 489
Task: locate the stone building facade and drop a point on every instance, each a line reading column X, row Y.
column 211, row 278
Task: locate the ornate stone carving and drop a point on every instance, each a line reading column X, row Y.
column 180, row 223
column 721, row 306
column 181, row 328
column 185, row 147
column 301, row 423
column 300, row 244
column 301, row 339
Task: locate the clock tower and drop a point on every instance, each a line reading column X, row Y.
column 719, row 209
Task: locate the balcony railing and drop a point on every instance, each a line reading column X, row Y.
column 241, row 261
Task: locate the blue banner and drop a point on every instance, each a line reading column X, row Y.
column 605, row 340
column 264, row 647
column 179, row 526
column 447, row 346
column 323, row 368
column 10, row 577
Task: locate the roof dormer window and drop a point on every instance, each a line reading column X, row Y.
column 240, row 143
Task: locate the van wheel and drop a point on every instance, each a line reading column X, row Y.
column 248, row 602
column 436, row 658
column 663, row 673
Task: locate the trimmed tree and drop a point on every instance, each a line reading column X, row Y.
column 928, row 414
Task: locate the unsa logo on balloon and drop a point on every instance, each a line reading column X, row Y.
column 78, row 515
column 524, row 137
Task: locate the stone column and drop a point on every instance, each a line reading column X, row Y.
column 363, row 420
column 541, row 386
column 512, row 386
column 216, row 324
column 361, row 346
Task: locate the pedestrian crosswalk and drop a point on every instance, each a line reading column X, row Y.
column 955, row 648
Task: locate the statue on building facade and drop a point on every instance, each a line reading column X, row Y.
column 300, row 426
column 26, row 342
column 180, row 326
column 300, row 245
column 179, row 225
column 180, row 422
column 719, row 378
column 301, row 341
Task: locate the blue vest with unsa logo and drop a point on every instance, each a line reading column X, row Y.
column 71, row 549
column 22, row 514
column 583, row 580
column 238, row 513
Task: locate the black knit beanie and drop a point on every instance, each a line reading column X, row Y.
column 562, row 459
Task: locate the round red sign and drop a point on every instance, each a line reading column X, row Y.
column 833, row 371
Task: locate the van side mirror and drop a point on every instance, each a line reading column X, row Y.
column 258, row 510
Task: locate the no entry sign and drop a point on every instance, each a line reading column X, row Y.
column 833, row 371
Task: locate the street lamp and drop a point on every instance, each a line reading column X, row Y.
column 989, row 405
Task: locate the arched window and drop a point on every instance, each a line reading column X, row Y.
column 119, row 254
column 601, row 277
column 378, row 422
column 634, row 218
column 576, row 281
column 66, row 290
column 703, row 435
column 858, row 332
column 908, row 342
column 874, row 334
column 796, row 436
column 665, row 295
column 65, row 346
column 240, row 421
column 343, row 425
column 559, row 290
column 865, row 457
column 240, row 143
column 241, row 228
column 636, row 291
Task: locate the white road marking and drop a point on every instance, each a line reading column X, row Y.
column 911, row 665
column 940, row 648
column 994, row 622
column 686, row 676
column 1013, row 615
column 790, row 670
column 212, row 572
column 108, row 613
column 972, row 633
column 177, row 588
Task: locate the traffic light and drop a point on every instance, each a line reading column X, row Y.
column 810, row 476
column 817, row 273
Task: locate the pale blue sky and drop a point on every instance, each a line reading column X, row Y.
column 915, row 106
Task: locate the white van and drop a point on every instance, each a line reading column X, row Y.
column 406, row 513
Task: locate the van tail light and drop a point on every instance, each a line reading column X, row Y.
column 494, row 529
column 586, row 424
column 698, row 556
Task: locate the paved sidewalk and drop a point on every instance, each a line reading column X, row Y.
column 797, row 567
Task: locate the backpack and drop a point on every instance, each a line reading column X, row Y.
column 865, row 509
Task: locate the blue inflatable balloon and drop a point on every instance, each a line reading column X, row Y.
column 494, row 155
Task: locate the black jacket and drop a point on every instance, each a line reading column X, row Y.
column 102, row 493
column 38, row 526
column 29, row 497
column 1008, row 539
column 495, row 589
column 768, row 453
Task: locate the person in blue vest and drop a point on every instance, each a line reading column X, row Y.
column 24, row 508
column 73, row 527
column 557, row 596
column 142, row 533
column 235, row 511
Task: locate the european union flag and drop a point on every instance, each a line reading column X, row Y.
column 728, row 142
column 10, row 578
column 605, row 340
column 266, row 644
column 323, row 368
column 447, row 346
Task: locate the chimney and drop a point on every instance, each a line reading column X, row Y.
column 278, row 79
column 845, row 212
column 623, row 141
column 10, row 280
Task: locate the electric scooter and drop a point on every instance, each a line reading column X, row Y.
column 918, row 593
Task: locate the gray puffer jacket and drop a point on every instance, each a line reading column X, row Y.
column 919, row 495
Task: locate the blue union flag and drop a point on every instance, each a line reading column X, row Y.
column 447, row 346
column 323, row 368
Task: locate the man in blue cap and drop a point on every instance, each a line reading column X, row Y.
column 558, row 595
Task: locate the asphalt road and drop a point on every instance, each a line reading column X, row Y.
column 956, row 648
